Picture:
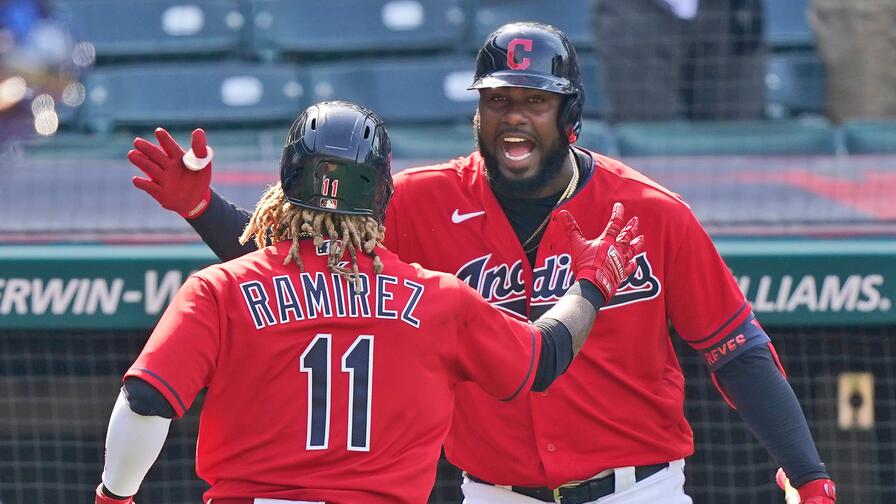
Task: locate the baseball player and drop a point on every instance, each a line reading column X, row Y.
column 612, row 429
column 331, row 378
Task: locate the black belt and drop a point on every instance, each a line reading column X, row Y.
column 580, row 493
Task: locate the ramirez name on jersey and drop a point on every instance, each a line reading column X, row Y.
column 328, row 295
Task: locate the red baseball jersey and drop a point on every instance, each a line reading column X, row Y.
column 620, row 403
column 319, row 390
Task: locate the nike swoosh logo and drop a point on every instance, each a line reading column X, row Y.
column 457, row 217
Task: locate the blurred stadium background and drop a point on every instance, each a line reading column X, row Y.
column 801, row 208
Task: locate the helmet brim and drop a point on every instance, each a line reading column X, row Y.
column 557, row 85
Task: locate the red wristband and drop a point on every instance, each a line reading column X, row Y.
column 102, row 498
column 200, row 207
column 820, row 491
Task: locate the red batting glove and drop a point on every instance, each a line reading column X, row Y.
column 608, row 259
column 180, row 182
column 820, row 491
column 102, row 498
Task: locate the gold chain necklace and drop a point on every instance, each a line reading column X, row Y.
column 570, row 188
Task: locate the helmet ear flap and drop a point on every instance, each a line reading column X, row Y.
column 570, row 117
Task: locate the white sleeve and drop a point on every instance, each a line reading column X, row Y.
column 133, row 443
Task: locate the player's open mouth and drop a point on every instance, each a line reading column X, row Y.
column 517, row 148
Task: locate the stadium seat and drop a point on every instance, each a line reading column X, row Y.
column 726, row 138
column 786, row 24
column 406, row 89
column 191, row 94
column 870, row 136
column 572, row 17
column 415, row 145
column 155, row 28
column 796, row 84
column 340, row 26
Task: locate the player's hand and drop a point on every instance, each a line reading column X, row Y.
column 179, row 181
column 608, row 259
column 821, row 491
column 102, row 498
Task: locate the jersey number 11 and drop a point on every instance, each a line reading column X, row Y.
column 357, row 361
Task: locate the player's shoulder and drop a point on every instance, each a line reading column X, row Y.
column 444, row 282
column 457, row 169
column 626, row 179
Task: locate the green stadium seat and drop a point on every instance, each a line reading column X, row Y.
column 430, row 142
column 786, row 24
column 796, row 85
column 349, row 26
column 783, row 137
column 118, row 28
column 191, row 94
column 870, row 136
column 572, row 17
column 423, row 89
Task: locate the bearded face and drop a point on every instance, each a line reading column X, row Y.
column 516, row 132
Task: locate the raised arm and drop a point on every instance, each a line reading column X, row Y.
column 181, row 182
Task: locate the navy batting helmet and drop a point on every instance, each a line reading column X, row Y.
column 536, row 56
column 337, row 159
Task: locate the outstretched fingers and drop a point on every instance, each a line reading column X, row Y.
column 151, row 150
column 636, row 246
column 571, row 226
column 615, row 224
column 146, row 165
column 628, row 232
column 147, row 185
column 172, row 149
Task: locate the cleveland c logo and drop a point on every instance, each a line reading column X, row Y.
column 525, row 45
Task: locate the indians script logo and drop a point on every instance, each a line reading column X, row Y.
column 503, row 287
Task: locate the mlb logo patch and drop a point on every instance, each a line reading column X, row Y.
column 324, row 248
column 328, row 203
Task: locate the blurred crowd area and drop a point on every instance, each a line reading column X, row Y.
column 665, row 79
column 42, row 67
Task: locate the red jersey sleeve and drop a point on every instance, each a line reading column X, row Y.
column 180, row 356
column 703, row 299
column 494, row 350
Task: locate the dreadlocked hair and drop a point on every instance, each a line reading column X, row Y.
column 276, row 219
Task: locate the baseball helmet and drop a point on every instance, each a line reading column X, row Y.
column 337, row 159
column 536, row 56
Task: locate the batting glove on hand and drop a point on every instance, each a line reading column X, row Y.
column 820, row 491
column 102, row 498
column 179, row 181
column 608, row 259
